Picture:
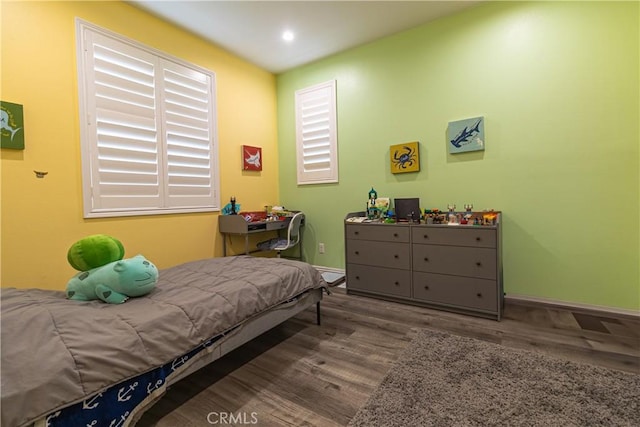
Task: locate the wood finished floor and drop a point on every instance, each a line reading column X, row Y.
column 301, row 374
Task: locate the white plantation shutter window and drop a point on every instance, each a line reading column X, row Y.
column 188, row 134
column 148, row 130
column 317, row 134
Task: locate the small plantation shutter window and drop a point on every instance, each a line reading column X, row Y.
column 317, row 134
column 147, row 129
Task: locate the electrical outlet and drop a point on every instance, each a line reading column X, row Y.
column 321, row 248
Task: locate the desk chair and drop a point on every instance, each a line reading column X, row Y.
column 293, row 236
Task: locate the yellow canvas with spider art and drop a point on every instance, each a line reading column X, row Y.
column 405, row 157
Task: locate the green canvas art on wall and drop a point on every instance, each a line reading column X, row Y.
column 11, row 126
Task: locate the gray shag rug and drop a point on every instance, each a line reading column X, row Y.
column 448, row 380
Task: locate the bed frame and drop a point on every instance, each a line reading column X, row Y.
column 251, row 329
column 213, row 350
column 83, row 363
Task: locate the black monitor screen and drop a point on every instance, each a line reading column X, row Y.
column 407, row 209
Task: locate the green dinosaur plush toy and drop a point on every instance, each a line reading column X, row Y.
column 115, row 282
column 94, row 251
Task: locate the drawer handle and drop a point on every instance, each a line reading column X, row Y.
column 356, row 232
column 426, row 287
column 479, row 264
column 397, row 283
column 478, row 239
column 395, row 234
column 426, row 236
column 357, row 277
column 356, row 252
column 479, row 295
column 426, row 259
column 395, row 256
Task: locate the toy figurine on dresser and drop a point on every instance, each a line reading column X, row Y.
column 372, row 209
column 466, row 219
column 452, row 218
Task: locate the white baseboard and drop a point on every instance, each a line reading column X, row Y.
column 330, row 269
column 523, row 299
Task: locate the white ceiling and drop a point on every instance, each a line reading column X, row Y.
column 253, row 29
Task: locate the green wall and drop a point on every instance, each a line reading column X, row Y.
column 558, row 86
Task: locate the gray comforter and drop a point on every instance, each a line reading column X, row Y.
column 56, row 352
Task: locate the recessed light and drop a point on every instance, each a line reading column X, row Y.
column 288, row 36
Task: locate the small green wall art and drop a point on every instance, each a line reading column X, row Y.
column 11, row 126
column 405, row 157
column 466, row 135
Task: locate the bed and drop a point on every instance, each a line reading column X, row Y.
column 90, row 364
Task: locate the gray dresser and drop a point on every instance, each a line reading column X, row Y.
column 450, row 267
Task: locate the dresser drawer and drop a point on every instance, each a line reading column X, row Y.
column 472, row 293
column 456, row 260
column 386, row 281
column 459, row 235
column 381, row 254
column 380, row 232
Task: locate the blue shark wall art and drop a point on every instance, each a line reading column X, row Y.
column 466, row 135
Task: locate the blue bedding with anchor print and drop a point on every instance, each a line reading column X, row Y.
column 116, row 405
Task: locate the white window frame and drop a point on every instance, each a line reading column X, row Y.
column 317, row 134
column 162, row 156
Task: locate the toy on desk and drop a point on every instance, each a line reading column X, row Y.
column 254, row 216
column 268, row 211
column 231, row 208
column 281, row 213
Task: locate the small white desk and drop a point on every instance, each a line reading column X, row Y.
column 237, row 225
